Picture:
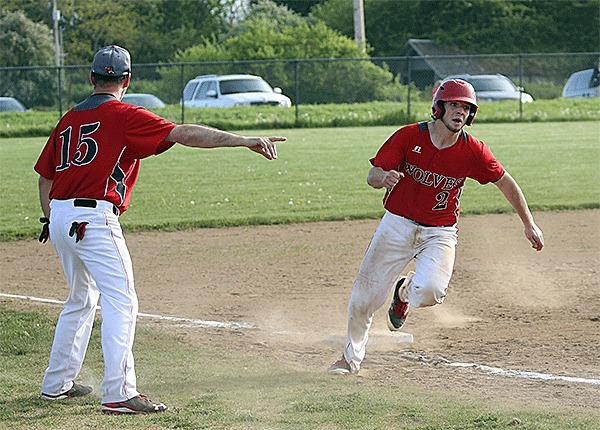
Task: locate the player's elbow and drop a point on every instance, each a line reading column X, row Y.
column 183, row 134
column 44, row 183
column 374, row 177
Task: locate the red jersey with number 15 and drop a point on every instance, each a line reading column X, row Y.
column 95, row 149
column 433, row 178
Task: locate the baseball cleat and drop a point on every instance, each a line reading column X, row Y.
column 139, row 404
column 77, row 390
column 398, row 309
column 340, row 367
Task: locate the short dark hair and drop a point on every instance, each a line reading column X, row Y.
column 102, row 79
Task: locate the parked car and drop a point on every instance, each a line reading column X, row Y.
column 494, row 88
column 232, row 90
column 585, row 83
column 143, row 100
column 11, row 104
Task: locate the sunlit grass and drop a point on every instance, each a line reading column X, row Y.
column 320, row 175
column 36, row 123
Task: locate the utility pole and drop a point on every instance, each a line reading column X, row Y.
column 55, row 19
column 359, row 25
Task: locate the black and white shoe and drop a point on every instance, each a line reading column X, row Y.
column 77, row 390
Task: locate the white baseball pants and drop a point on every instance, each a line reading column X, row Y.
column 395, row 243
column 98, row 265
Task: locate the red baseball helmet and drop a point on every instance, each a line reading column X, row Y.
column 454, row 90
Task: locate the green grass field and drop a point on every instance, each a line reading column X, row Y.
column 320, row 175
column 40, row 123
column 209, row 388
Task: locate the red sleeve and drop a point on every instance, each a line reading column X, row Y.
column 46, row 164
column 145, row 133
column 164, row 146
column 391, row 154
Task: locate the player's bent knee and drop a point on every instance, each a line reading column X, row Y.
column 424, row 296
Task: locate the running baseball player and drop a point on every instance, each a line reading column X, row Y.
column 87, row 171
column 423, row 168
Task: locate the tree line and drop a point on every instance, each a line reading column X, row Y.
column 163, row 31
column 475, row 26
column 157, row 30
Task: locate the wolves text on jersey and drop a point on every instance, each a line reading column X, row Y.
column 432, row 179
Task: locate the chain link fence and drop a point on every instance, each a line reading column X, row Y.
column 359, row 82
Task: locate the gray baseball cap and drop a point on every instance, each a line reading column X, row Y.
column 112, row 60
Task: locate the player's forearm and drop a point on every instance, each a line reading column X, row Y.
column 514, row 195
column 200, row 136
column 379, row 178
column 44, row 187
column 375, row 177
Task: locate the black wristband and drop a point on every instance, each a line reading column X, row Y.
column 44, row 220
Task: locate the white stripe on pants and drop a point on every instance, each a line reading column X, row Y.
column 97, row 265
column 395, row 243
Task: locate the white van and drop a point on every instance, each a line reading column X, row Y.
column 232, row 90
column 585, row 83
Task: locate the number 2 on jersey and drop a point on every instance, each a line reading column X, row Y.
column 442, row 199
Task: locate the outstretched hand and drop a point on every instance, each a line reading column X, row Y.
column 535, row 236
column 265, row 146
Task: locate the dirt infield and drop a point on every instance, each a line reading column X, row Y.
column 508, row 307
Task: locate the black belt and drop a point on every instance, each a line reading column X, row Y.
column 427, row 225
column 91, row 203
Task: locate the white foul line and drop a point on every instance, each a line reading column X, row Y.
column 496, row 370
column 194, row 322
column 200, row 323
column 216, row 324
column 523, row 374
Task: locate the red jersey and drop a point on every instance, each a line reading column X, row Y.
column 95, row 149
column 433, row 178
